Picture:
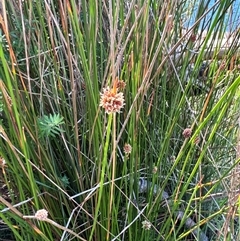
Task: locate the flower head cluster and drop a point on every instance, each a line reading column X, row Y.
column 193, row 37
column 121, row 84
column 41, row 214
column 155, row 169
column 2, row 162
column 187, row 133
column 127, row 149
column 146, row 225
column 111, row 100
column 172, row 158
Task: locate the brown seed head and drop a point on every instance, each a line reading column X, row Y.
column 127, row 149
column 187, row 133
column 41, row 214
column 111, row 101
column 146, row 225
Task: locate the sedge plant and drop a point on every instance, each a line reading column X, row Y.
column 119, row 120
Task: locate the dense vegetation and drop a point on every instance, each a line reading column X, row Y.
column 119, row 119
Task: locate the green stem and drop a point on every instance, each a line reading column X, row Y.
column 104, row 165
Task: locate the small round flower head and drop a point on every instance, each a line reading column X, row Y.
column 2, row 162
column 193, row 37
column 41, row 214
column 187, row 133
column 172, row 158
column 121, row 84
column 154, row 170
column 146, row 225
column 111, row 101
column 127, row 149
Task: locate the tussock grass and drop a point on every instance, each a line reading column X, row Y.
column 62, row 152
